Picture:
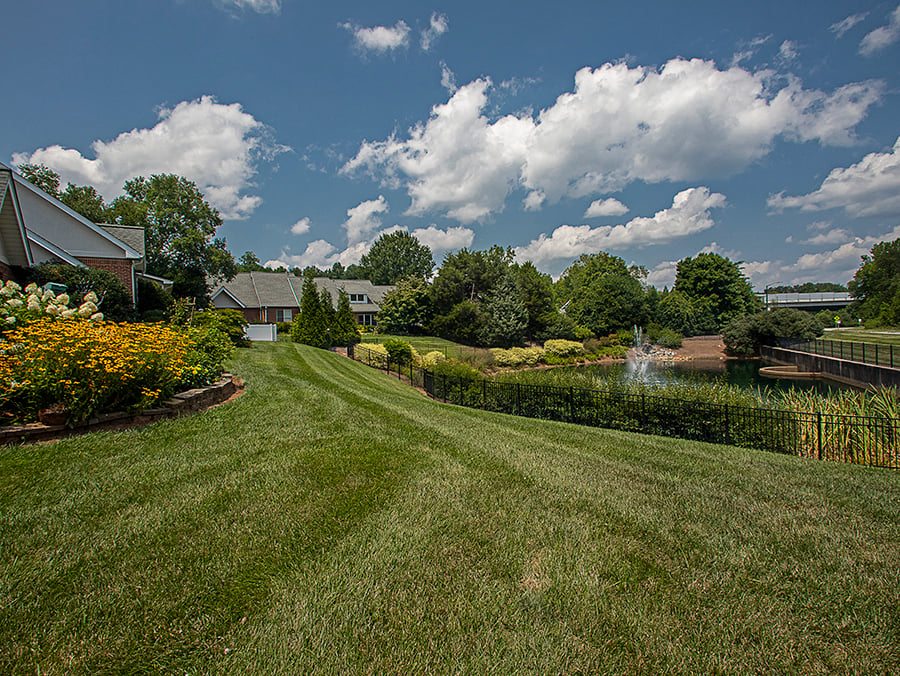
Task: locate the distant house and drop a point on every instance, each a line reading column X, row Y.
column 37, row 228
column 275, row 296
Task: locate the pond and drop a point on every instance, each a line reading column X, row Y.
column 743, row 373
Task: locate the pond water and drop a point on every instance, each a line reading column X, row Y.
column 743, row 373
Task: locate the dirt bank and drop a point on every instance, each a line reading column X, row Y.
column 702, row 347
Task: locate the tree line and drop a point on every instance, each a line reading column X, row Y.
column 475, row 297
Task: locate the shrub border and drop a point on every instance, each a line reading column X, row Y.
column 184, row 403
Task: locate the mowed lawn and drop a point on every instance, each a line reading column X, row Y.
column 332, row 520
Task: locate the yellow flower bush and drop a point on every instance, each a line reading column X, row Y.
column 92, row 366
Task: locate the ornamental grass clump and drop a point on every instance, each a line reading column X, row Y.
column 87, row 367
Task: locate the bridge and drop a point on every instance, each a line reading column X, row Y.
column 828, row 300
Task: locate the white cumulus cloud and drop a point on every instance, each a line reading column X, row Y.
column 837, row 264
column 681, row 122
column 688, row 214
column 301, row 227
column 869, row 188
column 444, row 240
column 607, row 207
column 379, row 39
column 217, row 146
column 883, row 36
column 436, row 28
column 363, row 219
column 458, row 162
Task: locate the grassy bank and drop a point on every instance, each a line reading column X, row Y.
column 886, row 336
column 332, row 520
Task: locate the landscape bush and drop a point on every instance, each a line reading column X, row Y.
column 564, row 348
column 399, row 351
column 229, row 321
column 428, row 360
column 517, row 356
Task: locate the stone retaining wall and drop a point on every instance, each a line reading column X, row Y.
column 184, row 403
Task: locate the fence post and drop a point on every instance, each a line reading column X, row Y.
column 819, row 425
column 727, row 427
column 518, row 398
column 571, row 404
column 892, row 356
column 643, row 413
column 483, row 393
column 445, row 388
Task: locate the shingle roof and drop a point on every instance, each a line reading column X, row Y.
column 284, row 290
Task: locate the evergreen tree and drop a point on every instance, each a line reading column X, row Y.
column 343, row 328
column 327, row 315
column 507, row 315
column 308, row 327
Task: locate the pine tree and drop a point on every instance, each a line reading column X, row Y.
column 508, row 316
column 343, row 327
column 309, row 328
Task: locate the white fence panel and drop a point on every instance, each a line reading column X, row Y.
column 266, row 333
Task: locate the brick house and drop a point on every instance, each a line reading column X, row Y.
column 275, row 296
column 37, row 228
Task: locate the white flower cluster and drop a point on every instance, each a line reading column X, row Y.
column 14, row 302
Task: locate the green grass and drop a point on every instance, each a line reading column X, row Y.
column 887, row 336
column 332, row 520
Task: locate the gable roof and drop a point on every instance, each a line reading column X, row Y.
column 285, row 290
column 45, row 216
column 14, row 248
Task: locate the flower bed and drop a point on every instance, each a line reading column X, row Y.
column 83, row 368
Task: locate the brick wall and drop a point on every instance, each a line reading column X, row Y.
column 5, row 272
column 120, row 267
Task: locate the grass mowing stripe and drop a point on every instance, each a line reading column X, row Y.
column 334, row 520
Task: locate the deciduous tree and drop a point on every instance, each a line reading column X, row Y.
column 180, row 228
column 876, row 285
column 717, row 283
column 394, row 256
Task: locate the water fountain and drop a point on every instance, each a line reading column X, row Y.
column 638, row 357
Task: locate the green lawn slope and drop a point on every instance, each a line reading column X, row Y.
column 333, row 520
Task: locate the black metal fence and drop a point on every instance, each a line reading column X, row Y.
column 856, row 439
column 868, row 353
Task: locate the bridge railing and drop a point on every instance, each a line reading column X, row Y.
column 867, row 353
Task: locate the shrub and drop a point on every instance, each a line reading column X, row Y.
column 110, row 295
column 429, row 360
column 18, row 307
column 373, row 354
column 669, row 338
column 229, row 321
column 564, row 348
column 517, row 356
column 399, row 351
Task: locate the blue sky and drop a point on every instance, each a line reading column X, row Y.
column 765, row 131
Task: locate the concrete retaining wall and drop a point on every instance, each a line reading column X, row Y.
column 842, row 370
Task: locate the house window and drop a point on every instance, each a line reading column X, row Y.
column 283, row 315
column 357, row 298
column 366, row 320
